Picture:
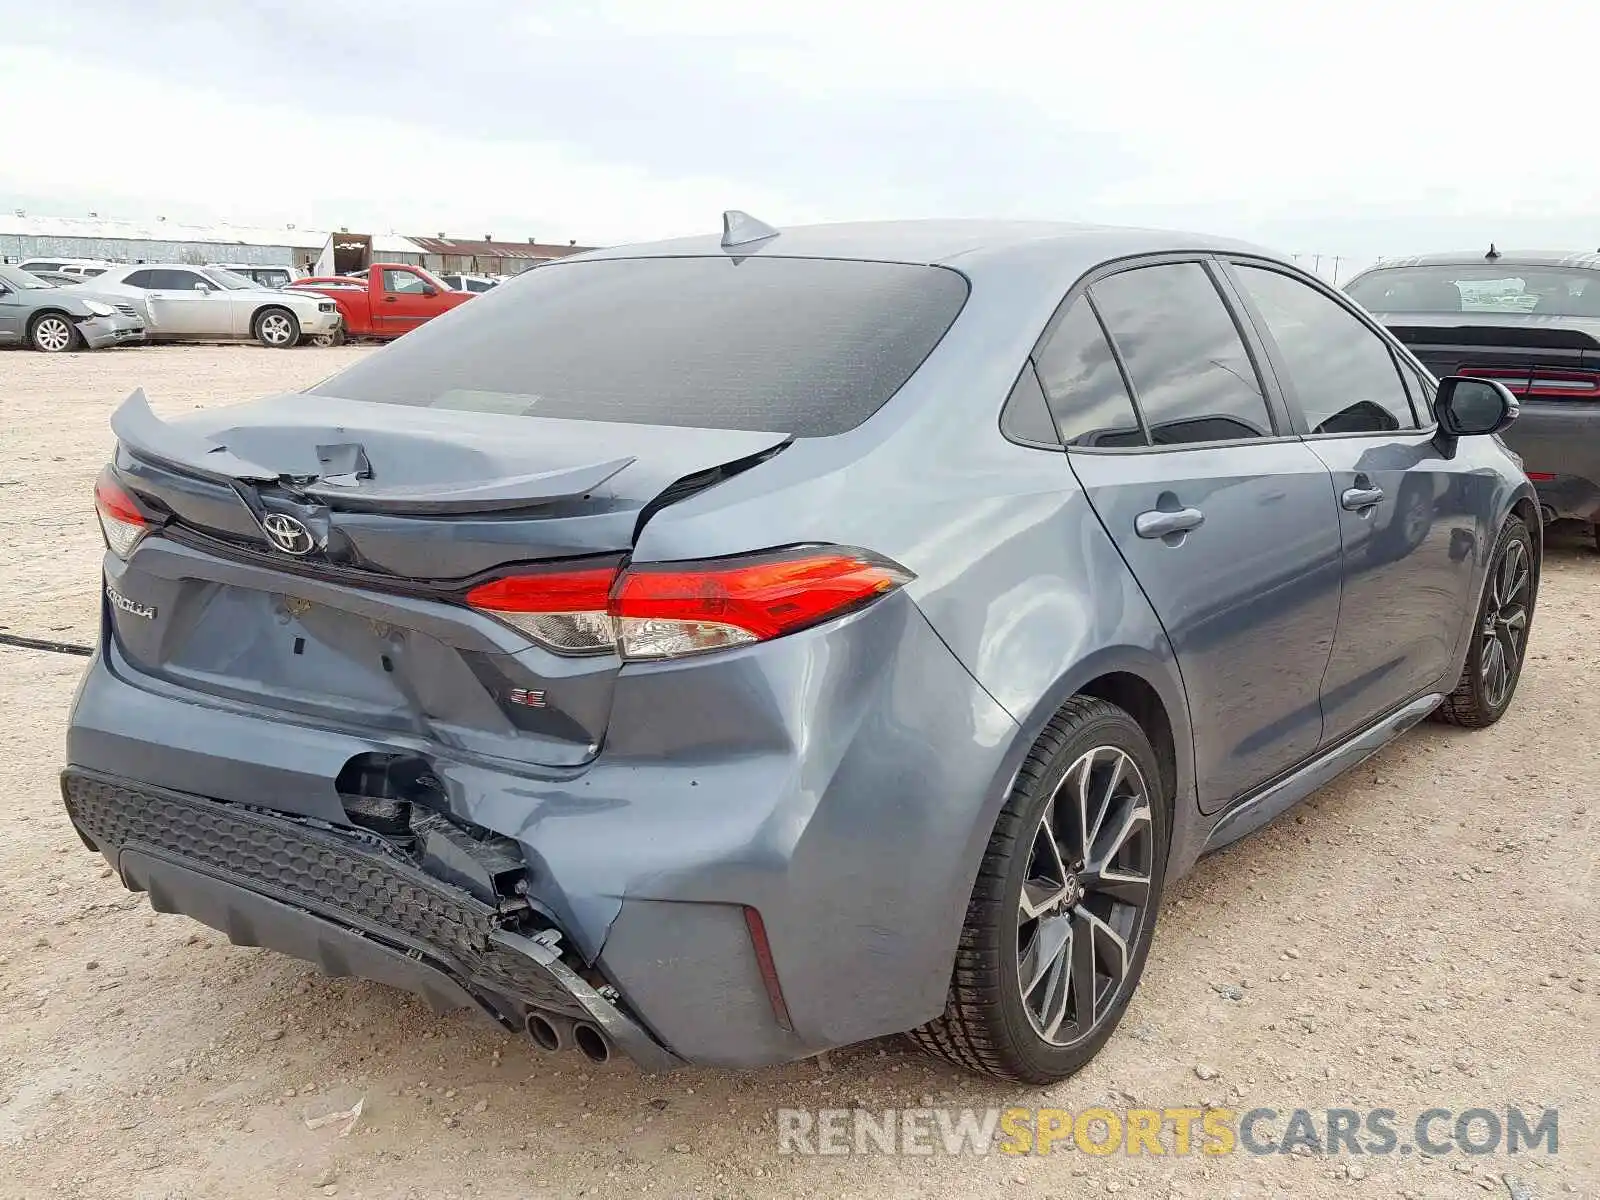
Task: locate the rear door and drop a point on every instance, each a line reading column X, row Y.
column 1225, row 518
column 1410, row 518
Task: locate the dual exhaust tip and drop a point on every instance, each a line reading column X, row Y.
column 552, row 1031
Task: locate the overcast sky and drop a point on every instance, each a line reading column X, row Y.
column 1357, row 127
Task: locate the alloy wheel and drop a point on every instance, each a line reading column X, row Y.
column 52, row 335
column 1086, row 895
column 1505, row 623
column 275, row 329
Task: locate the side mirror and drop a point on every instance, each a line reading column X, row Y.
column 1467, row 407
column 200, row 287
column 429, row 290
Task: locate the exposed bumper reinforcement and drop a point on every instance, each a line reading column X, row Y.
column 341, row 902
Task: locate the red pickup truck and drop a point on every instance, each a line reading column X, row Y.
column 392, row 299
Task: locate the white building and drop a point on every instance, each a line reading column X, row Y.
column 23, row 236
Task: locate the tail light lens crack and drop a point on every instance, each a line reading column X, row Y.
column 647, row 611
column 121, row 519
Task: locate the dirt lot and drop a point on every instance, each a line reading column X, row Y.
column 1418, row 935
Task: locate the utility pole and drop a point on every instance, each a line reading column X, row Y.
column 1336, row 259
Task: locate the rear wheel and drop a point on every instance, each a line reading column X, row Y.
column 277, row 328
column 1061, row 917
column 54, row 333
column 1500, row 634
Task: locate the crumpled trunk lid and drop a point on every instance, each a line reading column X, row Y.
column 404, row 509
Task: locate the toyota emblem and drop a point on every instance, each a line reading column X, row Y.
column 287, row 533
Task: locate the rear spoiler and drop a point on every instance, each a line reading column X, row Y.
column 1529, row 331
column 341, row 485
column 147, row 435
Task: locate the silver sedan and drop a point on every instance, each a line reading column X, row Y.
column 36, row 313
column 214, row 304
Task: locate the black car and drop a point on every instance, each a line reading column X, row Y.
column 1530, row 321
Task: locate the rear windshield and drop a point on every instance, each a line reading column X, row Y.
column 810, row 347
column 1546, row 291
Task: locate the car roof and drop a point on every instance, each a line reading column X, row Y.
column 1589, row 260
column 968, row 245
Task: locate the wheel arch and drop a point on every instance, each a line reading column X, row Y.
column 1150, row 689
column 42, row 313
column 267, row 306
column 71, row 319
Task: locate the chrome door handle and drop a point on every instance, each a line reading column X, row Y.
column 1157, row 523
column 1355, row 499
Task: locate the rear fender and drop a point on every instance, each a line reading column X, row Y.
column 1514, row 496
column 1160, row 674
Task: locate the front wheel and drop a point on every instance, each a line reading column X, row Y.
column 53, row 333
column 1061, row 917
column 277, row 328
column 1500, row 634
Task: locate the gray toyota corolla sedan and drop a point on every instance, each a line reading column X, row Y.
column 726, row 649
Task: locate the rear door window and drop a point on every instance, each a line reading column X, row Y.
column 1087, row 395
column 1192, row 377
column 1343, row 374
column 810, row 347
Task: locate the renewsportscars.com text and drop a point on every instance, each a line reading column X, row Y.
column 1167, row 1131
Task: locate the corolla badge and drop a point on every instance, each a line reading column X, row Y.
column 288, row 534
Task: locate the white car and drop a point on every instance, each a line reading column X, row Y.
column 211, row 304
column 84, row 268
column 267, row 277
column 468, row 283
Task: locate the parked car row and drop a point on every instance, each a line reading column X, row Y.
column 59, row 307
column 79, row 268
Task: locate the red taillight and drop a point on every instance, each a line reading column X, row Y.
column 120, row 519
column 677, row 608
column 1540, row 476
column 665, row 610
column 1568, row 385
column 565, row 610
column 1543, row 382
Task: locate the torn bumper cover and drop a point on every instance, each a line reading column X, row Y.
column 342, row 901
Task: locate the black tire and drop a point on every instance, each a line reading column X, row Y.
column 989, row 1024
column 276, row 328
column 336, row 338
column 54, row 333
column 1480, row 699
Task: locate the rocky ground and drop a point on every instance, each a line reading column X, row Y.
column 1420, row 934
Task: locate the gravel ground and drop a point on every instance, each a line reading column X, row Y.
column 1419, row 934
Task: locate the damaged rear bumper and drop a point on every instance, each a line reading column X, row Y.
column 343, row 902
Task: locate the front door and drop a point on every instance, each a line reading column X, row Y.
column 12, row 320
column 1409, row 516
column 407, row 301
column 184, row 304
column 1226, row 523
